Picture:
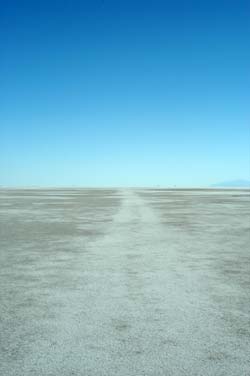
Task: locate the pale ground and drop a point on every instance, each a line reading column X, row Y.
column 124, row 282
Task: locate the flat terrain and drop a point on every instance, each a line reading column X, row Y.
column 124, row 282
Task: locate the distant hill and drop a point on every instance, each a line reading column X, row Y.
column 233, row 184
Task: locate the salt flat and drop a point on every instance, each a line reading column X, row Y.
column 124, row 282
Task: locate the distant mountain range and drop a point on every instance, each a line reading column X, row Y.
column 240, row 183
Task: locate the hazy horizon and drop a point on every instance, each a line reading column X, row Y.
column 222, row 185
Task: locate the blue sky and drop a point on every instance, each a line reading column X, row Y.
column 124, row 93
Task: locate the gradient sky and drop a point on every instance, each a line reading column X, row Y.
column 124, row 93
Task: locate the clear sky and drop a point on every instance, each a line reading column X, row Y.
column 124, row 93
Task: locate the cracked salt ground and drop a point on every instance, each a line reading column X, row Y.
column 124, row 282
